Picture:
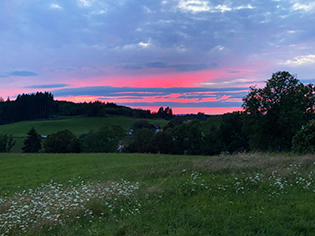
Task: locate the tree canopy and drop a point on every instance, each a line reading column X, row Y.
column 62, row 142
column 106, row 139
column 277, row 111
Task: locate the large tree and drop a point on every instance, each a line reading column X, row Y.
column 62, row 142
column 277, row 111
column 106, row 139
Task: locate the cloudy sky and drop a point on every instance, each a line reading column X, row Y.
column 191, row 55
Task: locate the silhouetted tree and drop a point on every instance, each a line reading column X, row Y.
column 32, row 143
column 164, row 142
column 106, row 139
column 166, row 113
column 62, row 142
column 277, row 111
column 232, row 132
column 144, row 142
column 175, row 121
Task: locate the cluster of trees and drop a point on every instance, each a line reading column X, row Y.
column 192, row 138
column 27, row 107
column 277, row 112
column 278, row 117
column 43, row 106
column 106, row 139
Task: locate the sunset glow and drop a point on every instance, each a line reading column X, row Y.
column 147, row 54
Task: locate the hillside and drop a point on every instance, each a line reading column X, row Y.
column 77, row 125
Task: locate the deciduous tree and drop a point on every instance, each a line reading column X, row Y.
column 277, row 111
column 62, row 142
column 6, row 142
column 304, row 141
column 106, row 139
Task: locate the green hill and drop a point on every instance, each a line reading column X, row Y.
column 77, row 125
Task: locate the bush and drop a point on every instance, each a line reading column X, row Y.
column 6, row 142
column 62, row 142
column 144, row 142
column 304, row 141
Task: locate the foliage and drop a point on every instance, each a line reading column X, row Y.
column 6, row 142
column 304, row 140
column 32, row 144
column 106, row 139
column 43, row 106
column 175, row 121
column 141, row 124
column 143, row 142
column 166, row 113
column 232, row 133
column 194, row 138
column 277, row 111
column 62, row 142
column 164, row 142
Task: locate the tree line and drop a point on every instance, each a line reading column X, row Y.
column 43, row 106
column 276, row 118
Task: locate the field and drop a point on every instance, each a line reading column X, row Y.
column 78, row 126
column 142, row 194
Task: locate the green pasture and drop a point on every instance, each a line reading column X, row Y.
column 142, row 194
column 77, row 125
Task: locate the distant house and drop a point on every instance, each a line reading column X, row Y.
column 156, row 127
column 121, row 145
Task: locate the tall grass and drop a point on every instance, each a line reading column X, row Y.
column 139, row 194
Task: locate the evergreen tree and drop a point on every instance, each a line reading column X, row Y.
column 33, row 142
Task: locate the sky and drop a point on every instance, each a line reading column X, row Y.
column 191, row 55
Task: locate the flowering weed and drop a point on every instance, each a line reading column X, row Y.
column 55, row 203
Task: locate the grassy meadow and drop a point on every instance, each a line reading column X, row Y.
column 143, row 194
column 77, row 125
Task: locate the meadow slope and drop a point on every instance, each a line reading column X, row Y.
column 77, row 125
column 142, row 194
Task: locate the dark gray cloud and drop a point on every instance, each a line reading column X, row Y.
column 43, row 86
column 187, row 104
column 180, row 67
column 164, row 65
column 131, row 66
column 123, row 91
column 190, row 97
column 23, row 73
